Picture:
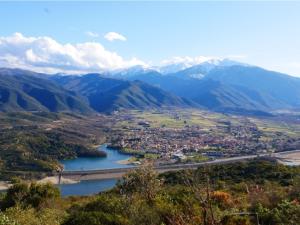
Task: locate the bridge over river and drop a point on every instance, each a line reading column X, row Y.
column 119, row 172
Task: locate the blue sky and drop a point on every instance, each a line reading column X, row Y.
column 261, row 33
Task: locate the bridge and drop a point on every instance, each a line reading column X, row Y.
column 119, row 172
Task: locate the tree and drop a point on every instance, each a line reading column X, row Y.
column 201, row 187
column 30, row 194
column 15, row 195
column 143, row 180
column 286, row 213
column 235, row 220
column 221, row 198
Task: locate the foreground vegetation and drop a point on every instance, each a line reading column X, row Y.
column 255, row 192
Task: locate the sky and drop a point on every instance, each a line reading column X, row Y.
column 95, row 36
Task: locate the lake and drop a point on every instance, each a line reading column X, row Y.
column 90, row 163
column 86, row 187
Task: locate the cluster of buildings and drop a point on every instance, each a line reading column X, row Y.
column 172, row 143
column 222, row 140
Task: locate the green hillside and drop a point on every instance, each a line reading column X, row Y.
column 23, row 91
column 106, row 94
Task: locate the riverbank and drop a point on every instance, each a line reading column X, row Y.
column 133, row 161
column 126, row 151
column 4, row 185
column 124, row 162
column 292, row 159
column 55, row 180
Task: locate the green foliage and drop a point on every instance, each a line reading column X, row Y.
column 31, row 216
column 285, row 213
column 107, row 95
column 188, row 197
column 33, row 195
column 132, row 152
column 5, row 220
column 258, row 171
column 106, row 209
column 151, row 156
column 235, row 220
column 194, row 158
column 27, row 91
column 143, row 181
column 30, row 151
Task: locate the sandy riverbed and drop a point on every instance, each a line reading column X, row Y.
column 55, row 180
column 4, row 185
column 125, row 162
column 129, row 161
column 290, row 158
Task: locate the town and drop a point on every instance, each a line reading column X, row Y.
column 186, row 141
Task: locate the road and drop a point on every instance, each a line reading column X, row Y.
column 119, row 172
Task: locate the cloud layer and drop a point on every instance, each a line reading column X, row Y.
column 45, row 54
column 113, row 36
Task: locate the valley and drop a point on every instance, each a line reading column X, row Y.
column 32, row 144
column 149, row 112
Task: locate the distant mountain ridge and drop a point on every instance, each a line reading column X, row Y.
column 187, row 68
column 220, row 85
column 107, row 94
column 229, row 87
column 204, row 66
column 23, row 91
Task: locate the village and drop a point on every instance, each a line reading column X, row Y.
column 192, row 142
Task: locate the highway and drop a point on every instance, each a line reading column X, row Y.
column 119, row 172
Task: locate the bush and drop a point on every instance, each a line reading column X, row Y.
column 33, row 194
column 285, row 213
column 5, row 220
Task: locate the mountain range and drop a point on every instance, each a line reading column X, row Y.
column 229, row 87
column 219, row 85
column 107, row 94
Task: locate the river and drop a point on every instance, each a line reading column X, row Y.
column 90, row 163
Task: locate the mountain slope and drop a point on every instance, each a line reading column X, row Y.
column 199, row 71
column 230, row 87
column 107, row 94
column 23, row 91
column 208, row 93
column 278, row 90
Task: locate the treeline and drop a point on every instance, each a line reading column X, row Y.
column 256, row 192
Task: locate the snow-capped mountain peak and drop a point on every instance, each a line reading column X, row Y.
column 132, row 71
column 195, row 68
column 206, row 64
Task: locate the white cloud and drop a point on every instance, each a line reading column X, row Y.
column 45, row 54
column 92, row 34
column 113, row 36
